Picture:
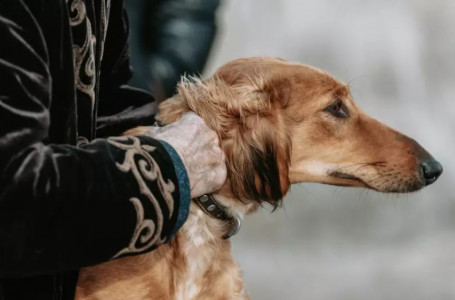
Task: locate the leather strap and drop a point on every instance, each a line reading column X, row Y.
column 211, row 207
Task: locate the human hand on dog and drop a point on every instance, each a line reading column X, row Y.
column 199, row 148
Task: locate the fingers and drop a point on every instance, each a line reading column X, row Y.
column 199, row 148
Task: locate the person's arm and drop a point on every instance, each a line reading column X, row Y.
column 63, row 207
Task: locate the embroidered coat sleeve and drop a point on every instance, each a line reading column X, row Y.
column 63, row 207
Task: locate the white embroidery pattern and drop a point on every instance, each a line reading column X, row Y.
column 84, row 55
column 144, row 168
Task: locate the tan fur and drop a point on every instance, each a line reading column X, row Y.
column 271, row 119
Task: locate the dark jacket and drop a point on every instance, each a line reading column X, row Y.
column 168, row 39
column 69, row 196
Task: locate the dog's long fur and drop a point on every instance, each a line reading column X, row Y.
column 275, row 129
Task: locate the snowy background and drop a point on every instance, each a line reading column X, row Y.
column 339, row 243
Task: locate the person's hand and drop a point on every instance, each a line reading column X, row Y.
column 198, row 147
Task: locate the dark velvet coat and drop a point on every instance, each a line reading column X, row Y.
column 70, row 196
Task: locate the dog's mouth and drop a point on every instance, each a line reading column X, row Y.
column 348, row 179
column 344, row 179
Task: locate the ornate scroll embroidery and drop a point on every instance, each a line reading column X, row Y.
column 84, row 51
column 143, row 167
column 84, row 54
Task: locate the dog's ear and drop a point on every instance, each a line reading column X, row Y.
column 258, row 169
column 249, row 121
column 259, row 146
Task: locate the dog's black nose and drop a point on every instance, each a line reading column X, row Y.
column 431, row 170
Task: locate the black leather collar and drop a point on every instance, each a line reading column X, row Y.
column 211, row 207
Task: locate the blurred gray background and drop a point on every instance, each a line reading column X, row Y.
column 339, row 243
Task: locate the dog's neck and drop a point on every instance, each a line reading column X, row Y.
column 201, row 243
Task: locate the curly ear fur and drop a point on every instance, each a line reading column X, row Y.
column 247, row 117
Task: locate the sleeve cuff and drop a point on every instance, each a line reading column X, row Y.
column 184, row 187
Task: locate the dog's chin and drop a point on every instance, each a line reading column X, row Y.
column 383, row 186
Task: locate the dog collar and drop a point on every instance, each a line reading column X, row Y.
column 211, row 207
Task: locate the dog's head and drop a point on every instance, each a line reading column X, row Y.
column 281, row 123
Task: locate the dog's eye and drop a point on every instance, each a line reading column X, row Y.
column 338, row 110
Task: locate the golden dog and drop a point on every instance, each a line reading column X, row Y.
column 279, row 123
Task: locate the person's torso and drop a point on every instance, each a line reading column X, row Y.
column 74, row 33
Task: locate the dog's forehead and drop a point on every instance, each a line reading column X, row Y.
column 301, row 78
column 342, row 91
column 318, row 81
